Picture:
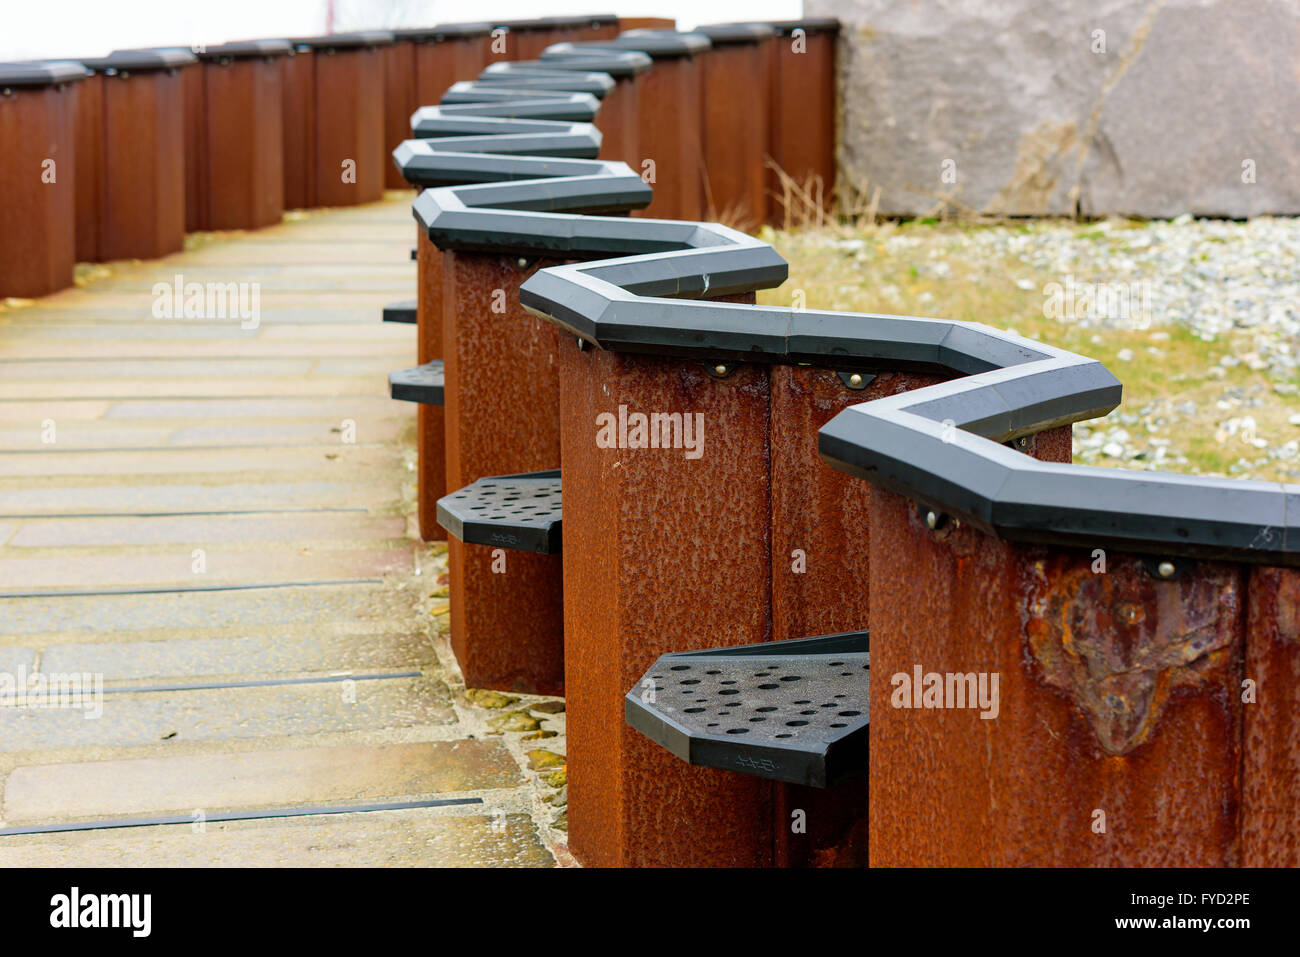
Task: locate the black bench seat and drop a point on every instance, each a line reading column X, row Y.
column 792, row 711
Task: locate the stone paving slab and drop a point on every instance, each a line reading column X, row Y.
column 254, row 779
column 265, row 655
column 340, row 460
column 228, row 689
column 145, row 718
column 438, row 838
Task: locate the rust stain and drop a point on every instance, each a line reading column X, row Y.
column 1120, row 643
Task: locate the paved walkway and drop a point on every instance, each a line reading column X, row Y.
column 215, row 521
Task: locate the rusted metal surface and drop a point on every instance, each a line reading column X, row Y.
column 431, row 467
column 501, row 405
column 1116, row 740
column 243, row 148
column 734, row 131
column 441, row 62
column 661, row 553
column 1270, row 769
column 646, row 23
column 619, row 120
column 820, row 579
column 349, row 154
column 802, row 110
column 668, row 134
column 400, row 101
column 299, row 129
column 37, row 219
column 131, row 180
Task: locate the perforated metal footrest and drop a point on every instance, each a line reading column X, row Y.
column 521, row 512
column 421, row 384
column 403, row 311
column 788, row 710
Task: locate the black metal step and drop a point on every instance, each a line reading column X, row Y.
column 403, row 311
column 421, row 384
column 792, row 711
column 521, row 512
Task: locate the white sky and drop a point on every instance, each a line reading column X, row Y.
column 52, row 29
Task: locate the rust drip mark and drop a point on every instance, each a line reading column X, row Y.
column 1120, row 643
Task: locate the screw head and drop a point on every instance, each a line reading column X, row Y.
column 1165, row 569
column 720, row 369
column 855, row 379
column 521, row 262
column 932, row 519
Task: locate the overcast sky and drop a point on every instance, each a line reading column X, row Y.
column 40, row 29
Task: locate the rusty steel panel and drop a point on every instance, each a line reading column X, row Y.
column 802, row 110
column 820, row 579
column 142, row 211
column 661, row 554
column 90, row 167
column 244, row 179
column 349, row 154
column 196, row 138
column 646, row 23
column 618, row 121
column 1117, row 703
column 400, row 101
column 1270, row 798
column 431, row 466
column 37, row 219
column 501, row 406
column 299, row 129
column 734, row 131
column 440, row 64
column 668, row 109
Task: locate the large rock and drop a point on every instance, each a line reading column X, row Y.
column 1021, row 103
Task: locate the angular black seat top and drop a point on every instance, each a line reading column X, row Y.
column 423, row 384
column 519, row 512
column 792, row 711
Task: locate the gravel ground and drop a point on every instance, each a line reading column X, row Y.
column 1199, row 319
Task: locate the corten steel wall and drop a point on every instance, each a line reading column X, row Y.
column 735, row 86
column 458, row 53
column 351, row 161
column 130, row 131
column 646, row 23
column 526, row 39
column 501, row 403
column 431, row 467
column 660, row 554
column 1106, row 704
column 400, row 99
column 619, row 120
column 37, row 218
column 243, row 140
column 669, row 120
column 299, row 128
column 196, row 160
column 90, row 168
column 802, row 124
column 1270, row 792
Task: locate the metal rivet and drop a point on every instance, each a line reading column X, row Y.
column 855, row 379
column 932, row 519
column 1165, row 569
column 582, row 344
column 720, row 369
column 521, row 262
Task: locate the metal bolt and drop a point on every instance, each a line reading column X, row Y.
column 720, row 369
column 582, row 344
column 521, row 262
column 932, row 519
column 855, row 379
column 1165, row 569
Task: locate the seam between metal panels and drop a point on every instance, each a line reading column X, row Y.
column 941, row 444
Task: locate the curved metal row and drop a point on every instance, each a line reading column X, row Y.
column 645, row 285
